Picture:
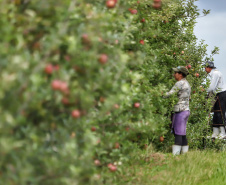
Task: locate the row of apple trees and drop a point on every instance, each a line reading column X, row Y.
column 82, row 83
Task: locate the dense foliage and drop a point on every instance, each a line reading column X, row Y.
column 82, row 83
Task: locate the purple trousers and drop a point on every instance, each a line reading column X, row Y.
column 179, row 122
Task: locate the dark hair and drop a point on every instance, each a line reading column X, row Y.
column 184, row 75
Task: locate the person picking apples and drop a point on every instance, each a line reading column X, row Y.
column 217, row 88
column 181, row 110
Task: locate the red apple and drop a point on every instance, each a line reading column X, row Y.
column 197, row 75
column 156, row 6
column 136, row 105
column 142, row 20
column 202, row 89
column 112, row 168
column 93, row 129
column 182, row 52
column 133, row 11
column 75, row 113
column 116, row 106
column 49, row 69
column 65, row 101
column 111, row 3
column 110, row 165
column 67, row 58
column 56, row 84
column 117, row 145
column 102, row 99
column 142, row 42
column 127, row 129
column 103, row 58
column 97, row 162
column 188, row 66
column 161, row 138
column 85, row 39
column 63, row 86
column 165, row 21
column 56, row 67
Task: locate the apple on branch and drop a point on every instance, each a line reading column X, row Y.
column 56, row 84
column 49, row 69
column 156, row 6
column 93, row 129
column 117, row 146
column 188, row 66
column 65, row 101
column 111, row 3
column 133, row 11
column 136, row 105
column 76, row 113
column 116, row 106
column 142, row 20
column 197, row 75
column 142, row 42
column 97, row 162
column 161, row 138
column 103, row 58
column 112, row 167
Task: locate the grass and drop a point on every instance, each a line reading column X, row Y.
column 194, row 168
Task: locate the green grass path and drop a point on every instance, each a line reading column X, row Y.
column 194, row 168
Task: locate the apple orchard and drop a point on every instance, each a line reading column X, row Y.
column 81, row 84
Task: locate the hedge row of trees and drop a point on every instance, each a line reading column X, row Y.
column 82, row 81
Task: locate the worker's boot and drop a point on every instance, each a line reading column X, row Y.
column 222, row 134
column 176, row 149
column 184, row 149
column 215, row 132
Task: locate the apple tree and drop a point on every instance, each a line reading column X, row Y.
column 82, row 82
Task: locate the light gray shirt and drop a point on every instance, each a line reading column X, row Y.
column 217, row 83
column 183, row 90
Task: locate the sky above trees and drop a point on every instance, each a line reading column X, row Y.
column 212, row 29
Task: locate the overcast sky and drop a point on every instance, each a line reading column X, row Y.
column 212, row 29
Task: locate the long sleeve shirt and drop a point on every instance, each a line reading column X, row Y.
column 183, row 90
column 217, row 83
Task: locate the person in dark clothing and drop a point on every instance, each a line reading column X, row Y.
column 218, row 89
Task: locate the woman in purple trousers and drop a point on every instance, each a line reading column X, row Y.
column 181, row 109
